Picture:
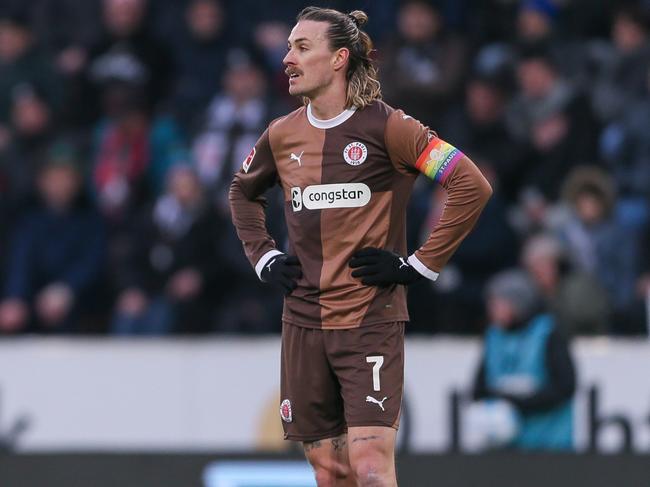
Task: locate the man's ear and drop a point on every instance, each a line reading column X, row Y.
column 340, row 58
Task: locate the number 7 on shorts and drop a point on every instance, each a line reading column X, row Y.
column 378, row 361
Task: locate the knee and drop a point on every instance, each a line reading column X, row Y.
column 371, row 472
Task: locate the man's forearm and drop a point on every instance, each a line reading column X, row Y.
column 249, row 219
column 467, row 194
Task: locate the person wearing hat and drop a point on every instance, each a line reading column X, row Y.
column 23, row 64
column 56, row 254
column 526, row 362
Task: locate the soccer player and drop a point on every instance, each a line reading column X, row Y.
column 346, row 162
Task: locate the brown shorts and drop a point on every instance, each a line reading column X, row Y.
column 332, row 379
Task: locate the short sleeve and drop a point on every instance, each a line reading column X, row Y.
column 414, row 147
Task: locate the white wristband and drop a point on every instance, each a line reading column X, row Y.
column 421, row 268
column 264, row 260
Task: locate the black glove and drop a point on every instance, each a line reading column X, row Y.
column 283, row 271
column 378, row 267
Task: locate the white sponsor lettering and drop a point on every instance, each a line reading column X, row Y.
column 324, row 196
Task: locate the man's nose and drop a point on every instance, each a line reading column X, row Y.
column 288, row 59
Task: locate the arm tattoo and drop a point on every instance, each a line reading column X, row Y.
column 311, row 445
column 338, row 443
column 365, row 438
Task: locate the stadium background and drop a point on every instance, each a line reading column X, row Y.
column 136, row 344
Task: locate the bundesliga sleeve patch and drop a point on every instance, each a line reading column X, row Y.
column 246, row 165
column 438, row 160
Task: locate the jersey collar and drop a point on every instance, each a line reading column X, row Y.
column 332, row 122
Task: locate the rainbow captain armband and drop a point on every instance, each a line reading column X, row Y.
column 438, row 160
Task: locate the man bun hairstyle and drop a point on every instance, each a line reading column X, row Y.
column 345, row 31
column 359, row 17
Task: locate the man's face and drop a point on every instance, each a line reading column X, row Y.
column 484, row 103
column 536, row 78
column 532, row 25
column 544, row 269
column 590, row 208
column 309, row 62
column 58, row 186
column 185, row 186
column 123, row 17
column 501, row 312
column 244, row 83
column 205, row 19
column 14, row 41
column 627, row 35
column 418, row 22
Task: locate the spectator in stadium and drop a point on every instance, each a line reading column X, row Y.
column 553, row 120
column 56, row 255
column 128, row 50
column 231, row 124
column 621, row 76
column 423, row 65
column 23, row 63
column 625, row 148
column 23, row 144
column 596, row 241
column 538, row 29
column 271, row 42
column 578, row 302
column 132, row 151
column 174, row 273
column 540, row 90
column 526, row 362
column 68, row 29
column 479, row 125
column 558, row 144
column 29, row 99
column 200, row 57
column 535, row 23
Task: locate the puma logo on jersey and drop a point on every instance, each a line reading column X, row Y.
column 375, row 401
column 403, row 263
column 271, row 263
column 294, row 157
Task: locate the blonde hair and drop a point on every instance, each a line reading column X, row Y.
column 345, row 31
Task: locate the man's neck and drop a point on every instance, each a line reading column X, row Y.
column 328, row 105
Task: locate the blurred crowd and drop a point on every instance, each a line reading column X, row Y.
column 122, row 123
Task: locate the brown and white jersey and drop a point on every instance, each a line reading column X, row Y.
column 346, row 184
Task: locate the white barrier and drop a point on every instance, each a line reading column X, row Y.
column 223, row 394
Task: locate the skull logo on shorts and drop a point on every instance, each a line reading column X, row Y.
column 285, row 411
